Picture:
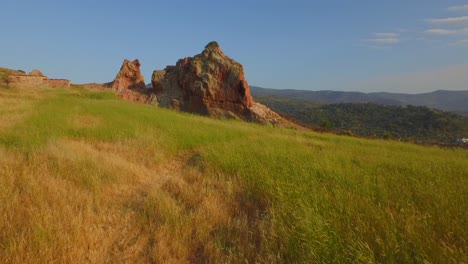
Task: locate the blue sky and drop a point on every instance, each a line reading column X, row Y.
column 395, row 46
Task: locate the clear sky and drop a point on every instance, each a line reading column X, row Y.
column 364, row 45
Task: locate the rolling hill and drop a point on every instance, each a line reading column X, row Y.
column 86, row 177
column 408, row 123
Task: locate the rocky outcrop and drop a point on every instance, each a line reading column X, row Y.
column 262, row 114
column 210, row 84
column 57, row 83
column 140, row 96
column 26, row 81
column 129, row 77
column 129, row 84
column 35, row 79
column 36, row 73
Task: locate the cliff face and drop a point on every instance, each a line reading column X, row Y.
column 210, row 83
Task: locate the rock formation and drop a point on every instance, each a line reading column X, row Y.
column 36, row 73
column 210, row 84
column 34, row 79
column 129, row 84
column 129, row 77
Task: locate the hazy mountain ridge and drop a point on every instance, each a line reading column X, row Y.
column 453, row 101
column 408, row 123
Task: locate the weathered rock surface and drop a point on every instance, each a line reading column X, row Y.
column 210, row 84
column 36, row 73
column 142, row 96
column 129, row 77
column 262, row 114
column 129, row 84
column 208, row 81
column 34, row 79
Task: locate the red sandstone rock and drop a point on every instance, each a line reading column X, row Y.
column 141, row 96
column 129, row 84
column 35, row 79
column 129, row 77
column 210, row 83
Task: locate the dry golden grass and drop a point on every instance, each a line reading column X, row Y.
column 73, row 202
column 80, row 202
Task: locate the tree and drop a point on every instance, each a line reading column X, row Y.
column 325, row 123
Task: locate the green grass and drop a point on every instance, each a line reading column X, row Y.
column 353, row 200
column 77, row 158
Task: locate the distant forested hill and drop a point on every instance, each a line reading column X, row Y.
column 409, row 123
column 453, row 101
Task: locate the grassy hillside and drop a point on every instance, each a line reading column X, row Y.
column 86, row 177
column 410, row 123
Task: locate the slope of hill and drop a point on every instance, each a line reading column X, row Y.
column 5, row 73
column 454, row 101
column 86, row 177
column 410, row 123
